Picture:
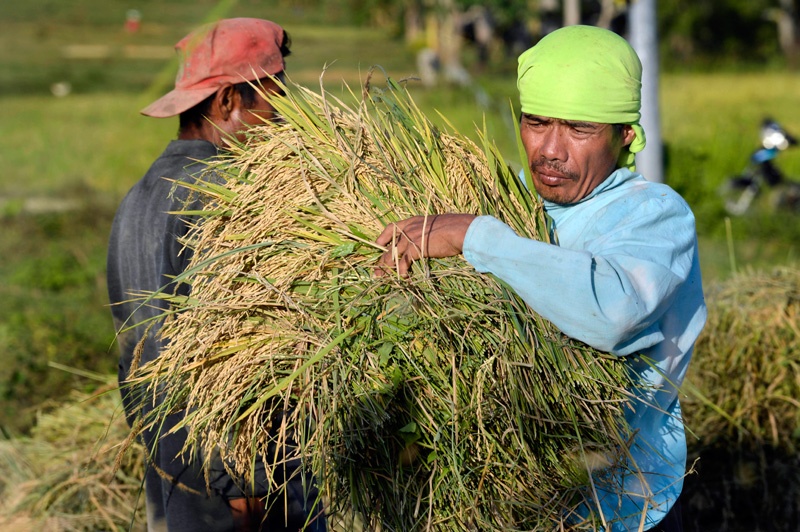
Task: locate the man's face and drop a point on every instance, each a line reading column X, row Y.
column 569, row 158
column 244, row 116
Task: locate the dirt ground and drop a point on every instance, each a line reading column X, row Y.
column 740, row 490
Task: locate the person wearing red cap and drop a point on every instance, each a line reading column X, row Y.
column 216, row 99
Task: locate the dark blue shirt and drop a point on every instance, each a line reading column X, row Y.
column 145, row 254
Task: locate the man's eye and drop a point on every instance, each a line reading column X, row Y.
column 584, row 130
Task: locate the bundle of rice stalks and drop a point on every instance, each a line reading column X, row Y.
column 439, row 401
column 747, row 362
column 67, row 474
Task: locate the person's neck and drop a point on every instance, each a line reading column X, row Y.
column 204, row 132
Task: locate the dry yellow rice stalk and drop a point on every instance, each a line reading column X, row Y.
column 439, row 402
column 68, row 474
column 747, row 362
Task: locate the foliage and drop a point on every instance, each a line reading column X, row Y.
column 694, row 33
column 723, row 32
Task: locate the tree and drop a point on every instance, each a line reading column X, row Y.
column 692, row 32
column 785, row 17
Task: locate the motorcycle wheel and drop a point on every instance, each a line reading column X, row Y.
column 738, row 193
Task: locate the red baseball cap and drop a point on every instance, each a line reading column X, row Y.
column 227, row 51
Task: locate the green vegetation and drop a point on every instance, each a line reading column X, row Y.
column 54, row 308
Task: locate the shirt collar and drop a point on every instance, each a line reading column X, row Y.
column 617, row 178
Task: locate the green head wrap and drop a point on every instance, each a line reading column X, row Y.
column 584, row 73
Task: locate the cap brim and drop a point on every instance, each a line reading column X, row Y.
column 177, row 101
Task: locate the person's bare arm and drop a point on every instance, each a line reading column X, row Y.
column 435, row 236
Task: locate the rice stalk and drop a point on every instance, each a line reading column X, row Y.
column 438, row 402
column 746, row 368
column 68, row 475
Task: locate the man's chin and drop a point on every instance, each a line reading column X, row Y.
column 552, row 195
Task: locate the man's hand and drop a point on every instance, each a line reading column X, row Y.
column 436, row 236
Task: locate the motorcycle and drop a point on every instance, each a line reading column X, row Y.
column 762, row 176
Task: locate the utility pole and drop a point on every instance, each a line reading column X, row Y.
column 572, row 12
column 644, row 39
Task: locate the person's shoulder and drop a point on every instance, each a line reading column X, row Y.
column 194, row 149
column 630, row 198
column 658, row 203
column 639, row 188
column 665, row 193
column 183, row 160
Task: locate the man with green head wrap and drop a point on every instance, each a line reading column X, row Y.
column 624, row 276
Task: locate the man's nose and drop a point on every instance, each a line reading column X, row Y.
column 552, row 144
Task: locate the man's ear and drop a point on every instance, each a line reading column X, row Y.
column 628, row 134
column 225, row 101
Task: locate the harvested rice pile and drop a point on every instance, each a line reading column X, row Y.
column 439, row 401
column 68, row 474
column 747, row 362
column 745, row 410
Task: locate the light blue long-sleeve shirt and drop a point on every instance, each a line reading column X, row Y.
column 625, row 279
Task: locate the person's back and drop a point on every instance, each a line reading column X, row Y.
column 144, row 252
column 141, row 260
column 217, row 101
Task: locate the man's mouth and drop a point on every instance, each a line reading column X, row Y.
column 550, row 177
